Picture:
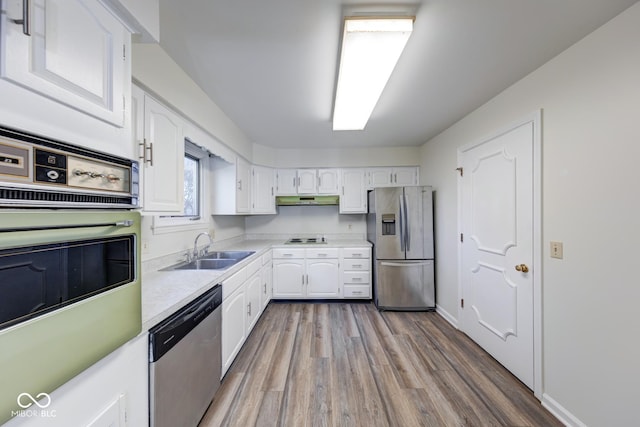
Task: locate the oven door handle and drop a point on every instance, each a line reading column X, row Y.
column 124, row 223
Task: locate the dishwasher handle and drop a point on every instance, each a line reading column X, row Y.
column 169, row 332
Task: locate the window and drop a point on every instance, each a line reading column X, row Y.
column 194, row 180
column 191, row 186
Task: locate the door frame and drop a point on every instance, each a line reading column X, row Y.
column 536, row 119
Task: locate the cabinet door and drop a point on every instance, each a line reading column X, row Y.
column 288, row 276
column 234, row 330
column 263, row 200
column 164, row 169
column 405, row 176
column 328, row 181
column 267, row 284
column 243, row 186
column 286, row 182
column 164, row 166
column 307, row 181
column 323, row 278
column 253, row 302
column 380, row 177
column 353, row 198
column 75, row 55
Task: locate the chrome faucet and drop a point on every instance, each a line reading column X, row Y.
column 195, row 252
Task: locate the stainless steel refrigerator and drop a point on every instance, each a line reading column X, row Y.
column 400, row 227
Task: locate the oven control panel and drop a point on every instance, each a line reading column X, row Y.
column 40, row 172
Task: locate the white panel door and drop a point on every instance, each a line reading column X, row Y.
column 286, row 182
column 497, row 248
column 243, row 185
column 380, row 177
column 74, row 55
column 288, row 278
column 328, row 181
column 263, row 200
column 164, row 167
column 253, row 300
column 323, row 278
column 307, row 181
column 405, row 176
column 234, row 330
column 353, row 198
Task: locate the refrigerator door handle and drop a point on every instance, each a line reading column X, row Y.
column 407, row 235
column 404, row 264
column 401, row 223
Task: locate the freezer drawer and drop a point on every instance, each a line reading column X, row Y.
column 405, row 285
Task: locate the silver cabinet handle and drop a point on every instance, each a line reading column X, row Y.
column 357, row 279
column 239, row 184
column 151, row 154
column 357, row 265
column 356, row 292
column 249, row 309
column 146, row 148
column 265, row 288
column 26, row 18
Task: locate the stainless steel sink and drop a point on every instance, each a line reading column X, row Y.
column 206, row 264
column 237, row 255
column 219, row 260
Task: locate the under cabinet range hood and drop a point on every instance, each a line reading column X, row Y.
column 307, row 200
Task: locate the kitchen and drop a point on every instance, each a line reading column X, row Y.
column 588, row 94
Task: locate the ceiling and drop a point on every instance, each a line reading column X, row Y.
column 271, row 65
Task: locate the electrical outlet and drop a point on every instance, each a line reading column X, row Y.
column 145, row 246
column 556, row 250
column 212, row 233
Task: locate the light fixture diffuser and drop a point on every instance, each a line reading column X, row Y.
column 371, row 48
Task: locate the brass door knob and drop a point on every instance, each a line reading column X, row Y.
column 522, row 267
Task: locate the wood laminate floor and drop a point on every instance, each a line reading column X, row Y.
column 341, row 364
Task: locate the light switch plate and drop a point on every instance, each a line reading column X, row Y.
column 556, row 250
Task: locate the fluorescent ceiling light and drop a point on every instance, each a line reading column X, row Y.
column 370, row 49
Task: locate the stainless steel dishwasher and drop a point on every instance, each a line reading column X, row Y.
column 185, row 362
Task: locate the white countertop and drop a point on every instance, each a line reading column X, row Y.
column 165, row 292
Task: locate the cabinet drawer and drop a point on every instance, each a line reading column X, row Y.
column 232, row 283
column 266, row 258
column 356, row 252
column 356, row 264
column 288, row 253
column 253, row 267
column 322, row 253
column 356, row 277
column 357, row 291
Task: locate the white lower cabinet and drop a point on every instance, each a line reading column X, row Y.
column 288, row 278
column 253, row 297
column 243, row 301
column 356, row 272
column 234, row 329
column 323, row 277
column 306, row 273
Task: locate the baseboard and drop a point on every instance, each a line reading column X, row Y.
column 447, row 316
column 558, row 411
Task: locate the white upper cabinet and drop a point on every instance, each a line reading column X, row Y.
column 162, row 159
column 392, row 176
column 307, row 181
column 353, row 195
column 328, row 181
column 69, row 78
column 231, row 186
column 263, row 199
column 75, row 54
column 286, row 182
column 243, row 185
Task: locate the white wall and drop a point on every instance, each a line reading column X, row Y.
column 155, row 70
column 590, row 96
column 335, row 157
column 307, row 220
